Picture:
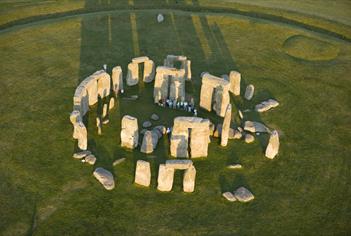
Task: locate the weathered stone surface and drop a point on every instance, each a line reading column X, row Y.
column 253, row 127
column 229, row 196
column 154, row 117
column 250, row 89
column 234, row 79
column 103, row 83
column 221, row 87
column 90, row 159
column 133, row 74
column 143, row 173
column 104, row 110
column 199, row 134
column 273, row 145
column 165, row 178
column 111, row 103
column 118, row 161
column 149, row 71
column 249, row 138
column 75, row 117
column 243, row 195
column 235, row 166
column 98, row 125
column 160, row 18
column 266, row 105
column 189, row 179
column 81, row 135
column 129, row 132
column 147, row 144
column 226, row 126
column 105, row 178
column 80, row 155
column 117, row 79
column 179, row 164
column 147, row 124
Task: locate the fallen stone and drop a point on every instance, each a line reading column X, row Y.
column 90, row 159
column 106, row 121
column 253, row 127
column 243, row 195
column 118, row 161
column 154, row 117
column 249, row 138
column 235, row 166
column 131, row 98
column 250, row 89
column 240, row 114
column 179, row 164
column 160, row 18
column 273, row 145
column 147, row 124
column 234, row 134
column 143, row 173
column 105, row 178
column 80, row 155
column 266, row 105
column 229, row 196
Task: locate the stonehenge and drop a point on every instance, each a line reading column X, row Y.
column 185, row 64
column 166, row 175
column 129, row 132
column 217, row 87
column 133, row 70
column 198, row 129
column 169, row 83
column 143, row 173
column 273, row 145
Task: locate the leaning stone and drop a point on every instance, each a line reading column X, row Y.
column 91, row 159
column 160, row 18
column 253, row 127
column 147, row 124
column 80, row 155
column 249, row 138
column 250, row 89
column 189, row 180
column 118, row 161
column 235, row 166
column 179, row 164
column 243, row 195
column 229, row 196
column 143, row 173
column 165, row 178
column 105, row 178
column 154, row 117
column 273, row 145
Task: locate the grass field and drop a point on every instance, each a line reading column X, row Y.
column 304, row 191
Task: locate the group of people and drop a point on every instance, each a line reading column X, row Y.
column 181, row 105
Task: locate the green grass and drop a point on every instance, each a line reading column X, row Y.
column 44, row 191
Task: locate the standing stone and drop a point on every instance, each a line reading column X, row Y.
column 273, row 145
column 103, row 84
column 143, row 173
column 105, row 178
column 234, row 79
column 92, row 90
column 129, row 132
column 117, row 79
column 147, row 144
column 133, row 74
column 149, row 71
column 250, row 89
column 111, row 103
column 165, row 178
column 104, row 111
column 243, row 195
column 98, row 125
column 75, row 118
column 226, row 126
column 188, row 70
column 189, row 180
column 82, row 135
column 199, row 138
column 179, row 142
